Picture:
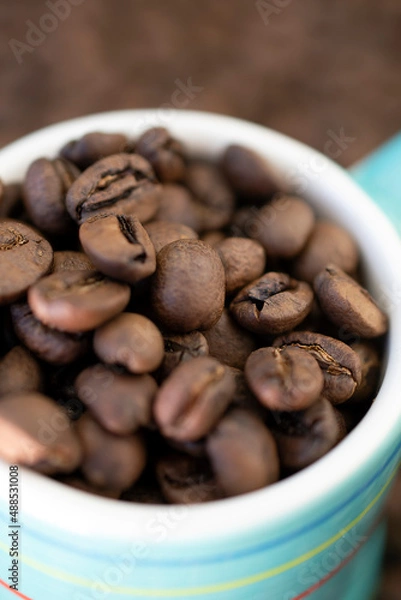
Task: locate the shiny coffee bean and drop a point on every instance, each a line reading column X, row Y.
column 70, row 260
column 186, row 480
column 10, row 200
column 249, row 174
column 118, row 246
column 340, row 364
column 92, row 147
column 120, row 402
column 76, row 301
column 35, row 432
column 120, row 184
column 243, row 453
column 348, row 305
column 272, row 304
column 284, row 379
column 243, row 261
column 188, row 287
column 179, row 348
column 228, row 342
column 177, row 205
column 45, row 187
column 193, row 398
column 162, row 233
column 130, row 340
column 25, row 256
column 165, row 154
column 369, row 358
column 19, row 372
column 110, row 461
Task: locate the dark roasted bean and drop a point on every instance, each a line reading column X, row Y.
column 165, row 154
column 92, row 147
column 177, row 205
column 371, row 366
column 186, row 480
column 250, row 175
column 19, row 372
column 243, row 261
column 180, row 348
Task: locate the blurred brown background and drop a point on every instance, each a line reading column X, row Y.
column 305, row 67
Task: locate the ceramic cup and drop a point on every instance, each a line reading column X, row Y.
column 314, row 535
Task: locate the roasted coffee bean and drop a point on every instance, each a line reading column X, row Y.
column 371, row 366
column 19, row 372
column 348, row 305
column 249, row 174
column 186, row 480
column 228, row 342
column 282, row 227
column 10, row 200
column 328, row 243
column 70, row 260
column 130, row 340
column 188, row 287
column 208, row 186
column 243, row 453
column 76, row 301
column 118, row 246
column 181, row 348
column 92, row 147
column 55, row 347
column 165, row 154
column 120, row 184
column 304, row 437
column 193, row 398
column 46, row 185
column 79, row 483
column 177, row 205
column 243, row 261
column 340, row 364
column 120, row 402
column 272, row 304
column 25, row 256
column 110, row 461
column 162, row 233
column 284, row 379
column 35, row 432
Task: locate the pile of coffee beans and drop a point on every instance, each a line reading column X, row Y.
column 175, row 330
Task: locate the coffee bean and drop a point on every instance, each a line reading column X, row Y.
column 328, row 243
column 249, row 174
column 228, row 342
column 131, row 340
column 92, row 147
column 162, row 233
column 181, row 348
column 371, row 366
column 19, row 372
column 177, row 205
column 186, row 480
column 243, row 453
column 272, row 304
column 25, row 256
column 10, row 200
column 243, row 261
column 70, row 260
column 188, row 287
column 193, row 398
column 118, row 246
column 340, row 364
column 120, row 402
column 76, row 301
column 349, row 305
column 284, row 379
column 120, row 184
column 165, row 154
column 35, row 432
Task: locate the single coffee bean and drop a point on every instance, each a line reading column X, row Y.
column 177, row 205
column 188, row 287
column 110, row 461
column 120, row 184
column 35, row 432
column 10, row 200
column 208, row 186
column 284, row 379
column 249, row 174
column 243, row 453
column 305, row 436
column 272, row 304
column 165, row 154
column 130, row 340
column 118, row 246
column 340, row 364
column 25, row 256
column 162, row 233
column 371, row 367
column 46, row 185
column 328, row 243
column 92, row 147
column 76, row 301
column 120, row 402
column 349, row 305
column 78, row 482
column 228, row 342
column 69, row 260
column 55, row 347
column 186, row 480
column 243, row 261
column 181, row 348
column 193, row 398
column 282, row 226
column 19, row 372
